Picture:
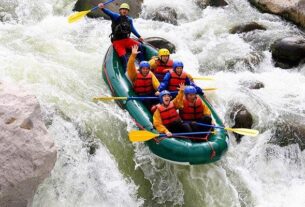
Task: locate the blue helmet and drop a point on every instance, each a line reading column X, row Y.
column 144, row 64
column 163, row 93
column 190, row 90
column 176, row 64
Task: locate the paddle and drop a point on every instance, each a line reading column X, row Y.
column 143, row 135
column 78, row 15
column 204, row 89
column 203, row 78
column 242, row 131
column 124, row 98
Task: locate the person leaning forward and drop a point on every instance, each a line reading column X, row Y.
column 122, row 27
column 166, row 118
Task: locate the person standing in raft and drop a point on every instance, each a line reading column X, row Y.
column 166, row 118
column 144, row 81
column 161, row 64
column 177, row 76
column 122, row 26
column 195, row 110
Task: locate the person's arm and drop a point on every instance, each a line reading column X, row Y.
column 157, row 121
column 198, row 89
column 178, row 101
column 155, row 82
column 206, row 110
column 133, row 29
column 153, row 64
column 164, row 83
column 112, row 15
column 190, row 77
column 131, row 68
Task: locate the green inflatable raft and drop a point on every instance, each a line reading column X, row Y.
column 181, row 151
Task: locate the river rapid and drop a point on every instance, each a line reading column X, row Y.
column 97, row 166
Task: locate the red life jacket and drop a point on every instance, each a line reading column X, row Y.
column 168, row 114
column 162, row 68
column 191, row 111
column 143, row 85
column 175, row 80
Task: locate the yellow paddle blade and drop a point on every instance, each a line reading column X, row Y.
column 78, row 15
column 203, row 78
column 108, row 98
column 244, row 131
column 141, row 136
column 209, row 89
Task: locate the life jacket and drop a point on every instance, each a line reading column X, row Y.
column 162, row 68
column 143, row 84
column 121, row 28
column 191, row 111
column 168, row 114
column 175, row 80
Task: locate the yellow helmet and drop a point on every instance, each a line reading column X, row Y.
column 163, row 51
column 125, row 6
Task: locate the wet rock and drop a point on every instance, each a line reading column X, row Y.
column 163, row 14
column 241, row 118
column 293, row 10
column 247, row 28
column 26, row 156
column 135, row 7
column 288, row 52
column 216, row 3
column 249, row 62
column 289, row 129
column 253, row 84
column 159, row 42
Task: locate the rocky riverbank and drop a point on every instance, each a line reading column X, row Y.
column 27, row 152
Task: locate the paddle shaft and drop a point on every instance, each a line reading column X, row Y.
column 208, row 125
column 96, row 7
column 124, row 98
column 184, row 134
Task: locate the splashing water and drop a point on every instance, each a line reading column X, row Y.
column 60, row 63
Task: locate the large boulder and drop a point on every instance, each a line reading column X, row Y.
column 159, row 42
column 241, row 118
column 135, row 7
column 288, row 52
column 27, row 152
column 163, row 14
column 247, row 27
column 289, row 129
column 293, row 10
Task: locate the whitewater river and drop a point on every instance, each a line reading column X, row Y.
column 61, row 64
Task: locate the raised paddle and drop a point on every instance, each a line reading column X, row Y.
column 124, row 98
column 78, row 15
column 242, row 131
column 143, row 135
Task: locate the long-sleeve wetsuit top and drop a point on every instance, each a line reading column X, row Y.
column 115, row 17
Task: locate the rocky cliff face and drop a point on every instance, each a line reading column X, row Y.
column 27, row 152
column 293, row 10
